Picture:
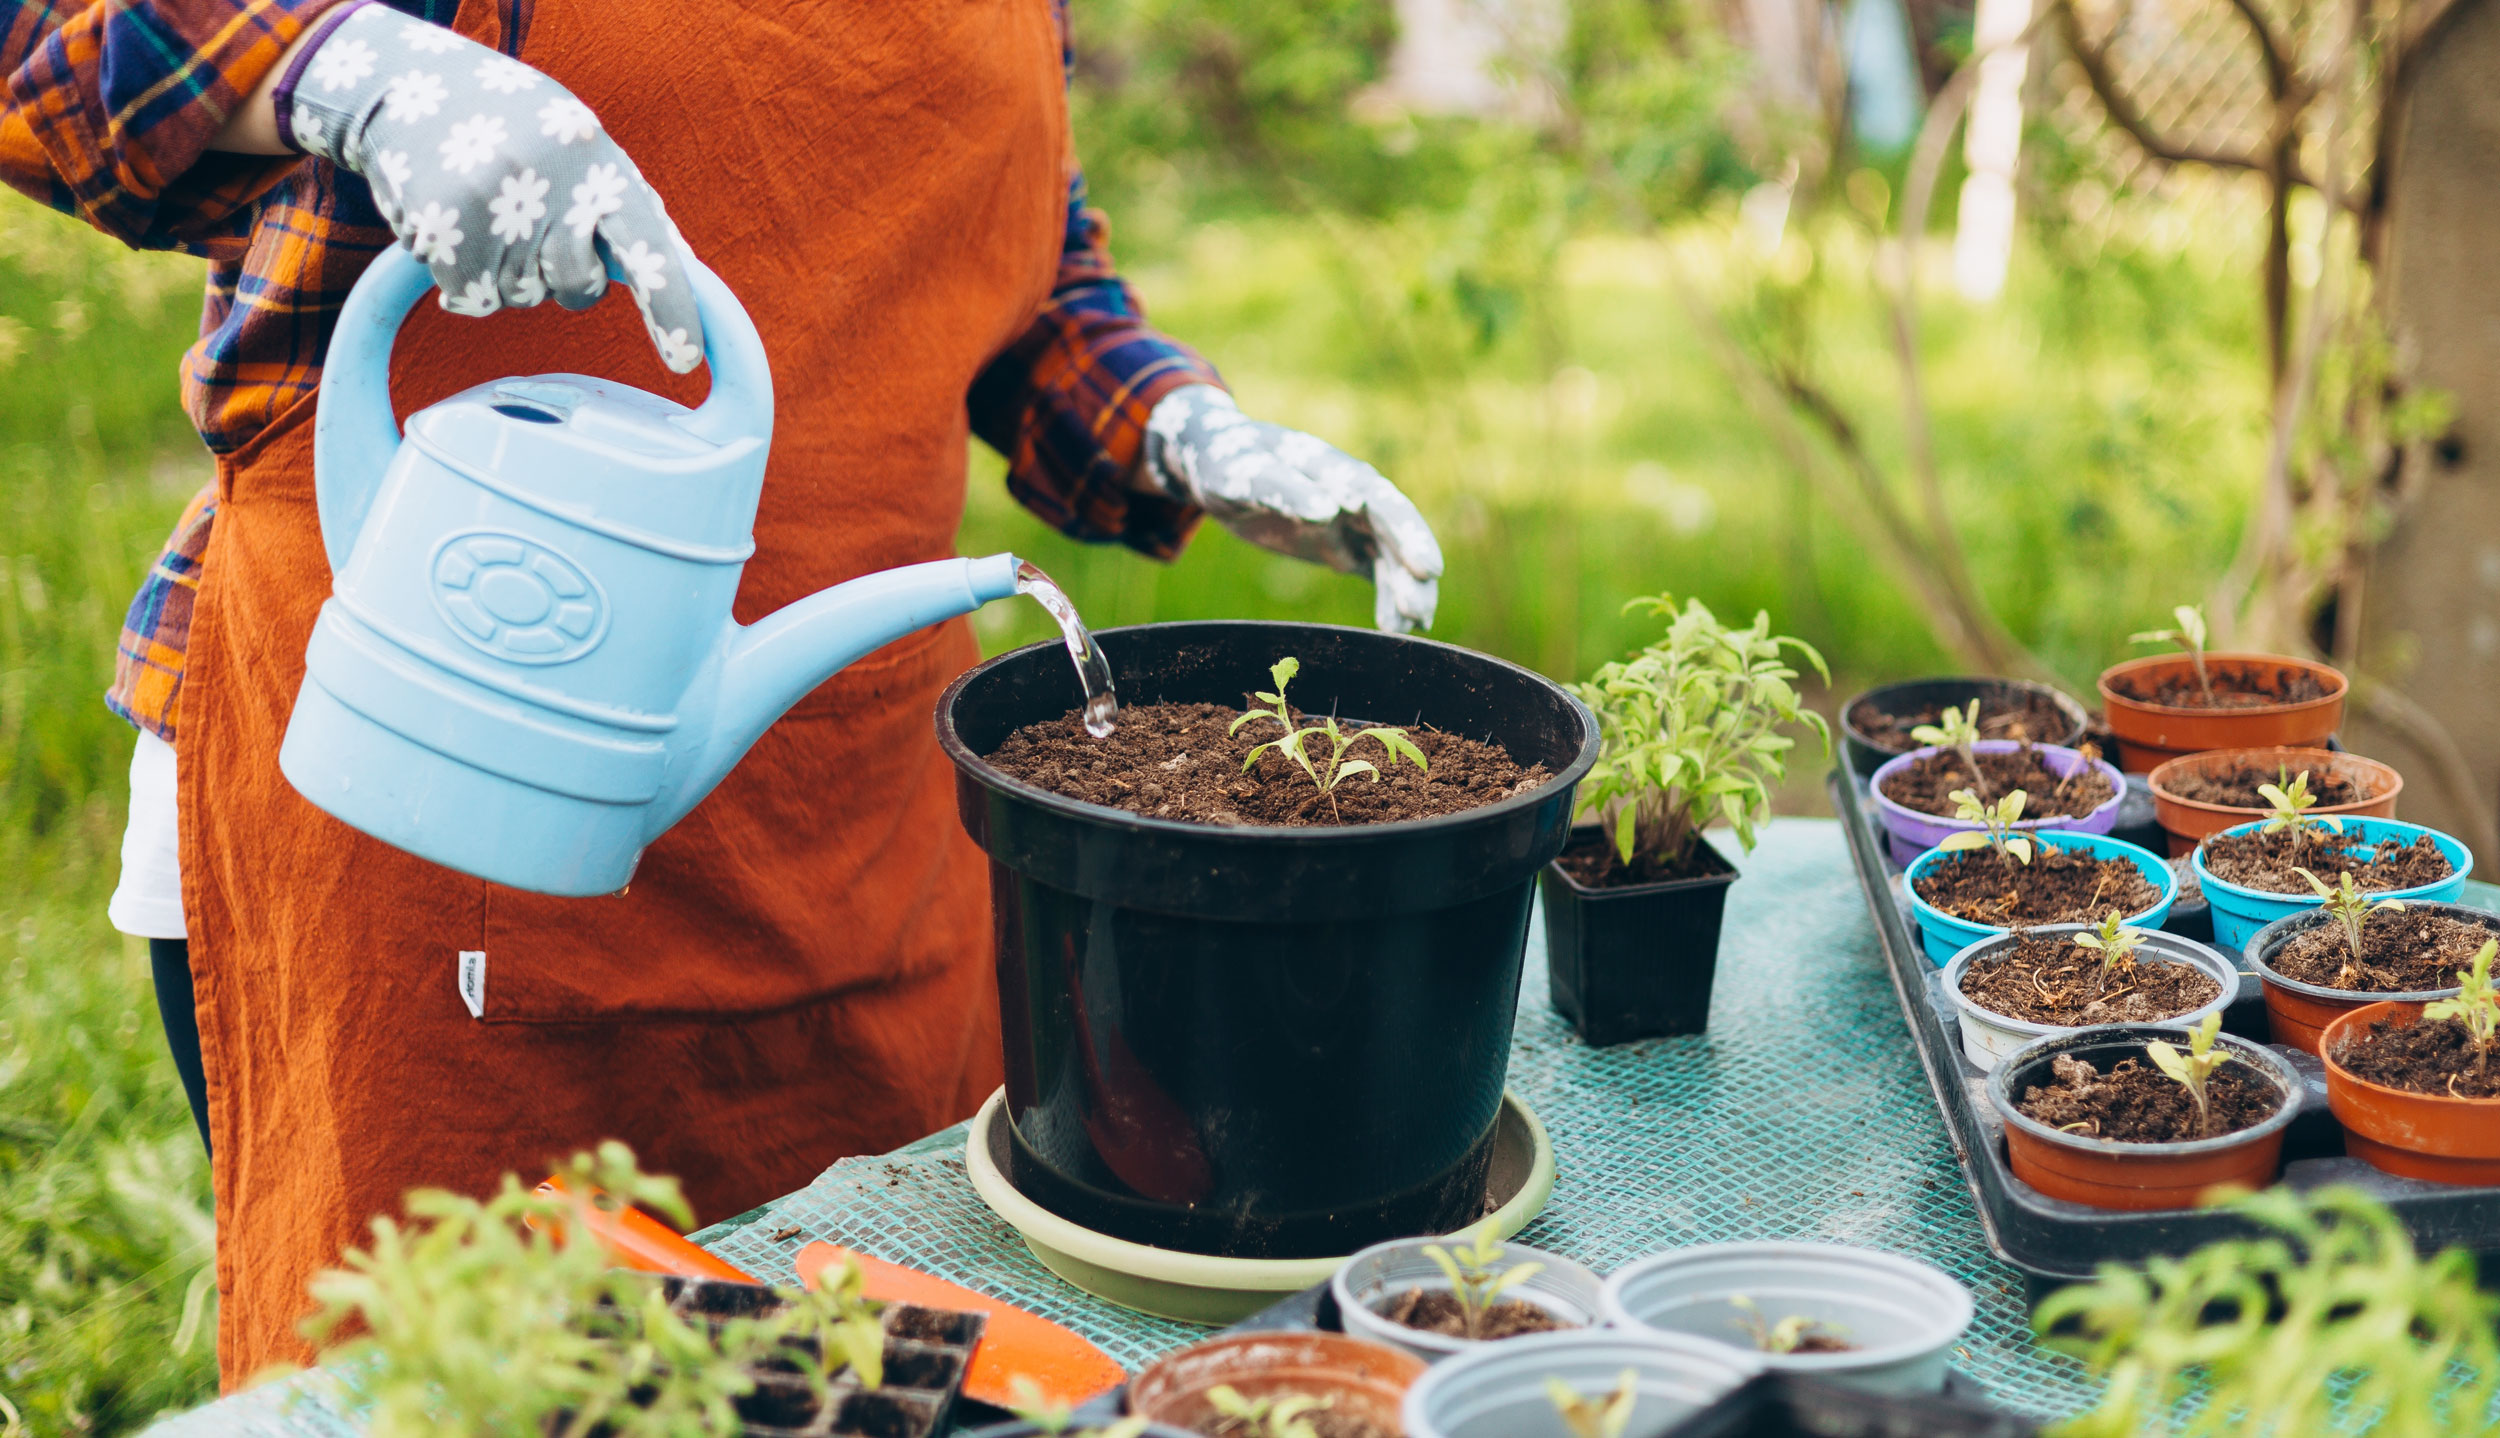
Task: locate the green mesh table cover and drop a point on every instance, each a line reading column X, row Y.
column 1802, row 1113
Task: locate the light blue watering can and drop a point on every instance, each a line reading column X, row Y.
column 527, row 669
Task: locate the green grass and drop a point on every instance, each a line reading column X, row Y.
column 2099, row 431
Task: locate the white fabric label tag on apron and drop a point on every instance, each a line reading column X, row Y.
column 473, row 981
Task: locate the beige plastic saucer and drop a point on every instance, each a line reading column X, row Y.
column 1197, row 1288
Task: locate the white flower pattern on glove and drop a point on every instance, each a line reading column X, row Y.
column 413, row 96
column 427, row 39
column 477, row 297
column 646, row 269
column 505, row 77
column 520, row 206
column 472, row 143
column 600, row 194
column 336, row 67
column 434, row 233
column 567, row 120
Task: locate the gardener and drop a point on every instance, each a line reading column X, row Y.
column 800, row 969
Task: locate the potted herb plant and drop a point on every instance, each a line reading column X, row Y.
column 2252, row 874
column 2199, row 794
column 1919, row 796
column 1872, row 1320
column 1564, row 1385
column 2139, row 1116
column 1434, row 1299
column 1882, row 723
column 2017, row 987
column 2171, row 704
column 1991, row 878
column 1691, row 728
column 2353, row 949
column 1258, row 995
column 2417, row 1087
column 1254, row 1385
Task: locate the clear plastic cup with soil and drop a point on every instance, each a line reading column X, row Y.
column 1437, row 1297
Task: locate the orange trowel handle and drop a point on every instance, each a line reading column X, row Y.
column 1016, row 1344
column 636, row 1240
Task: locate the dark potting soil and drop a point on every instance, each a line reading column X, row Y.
column 2053, row 980
column 2236, row 787
column 2137, row 1103
column 1592, row 864
column 2058, row 886
column 1927, row 785
column 2265, row 861
column 2400, row 953
column 2434, row 1056
column 2035, row 719
column 1437, row 1310
column 2234, row 688
column 1814, row 1341
column 1326, row 1422
column 1174, row 761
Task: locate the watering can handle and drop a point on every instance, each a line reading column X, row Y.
column 354, row 434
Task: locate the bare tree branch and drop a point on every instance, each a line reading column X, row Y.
column 2279, row 76
column 2094, row 61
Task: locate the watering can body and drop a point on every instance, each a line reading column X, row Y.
column 527, row 668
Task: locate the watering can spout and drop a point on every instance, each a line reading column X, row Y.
column 771, row 664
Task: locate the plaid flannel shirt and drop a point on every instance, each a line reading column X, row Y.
column 107, row 115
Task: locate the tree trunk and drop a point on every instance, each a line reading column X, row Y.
column 2430, row 601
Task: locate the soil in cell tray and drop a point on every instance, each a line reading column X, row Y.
column 2236, row 787
column 2400, row 953
column 2137, row 1103
column 2036, row 719
column 2047, row 979
column 2058, row 886
column 1436, row 1310
column 2257, row 860
column 1175, row 761
column 2234, row 688
column 2435, row 1056
column 1592, row 865
column 1927, row 785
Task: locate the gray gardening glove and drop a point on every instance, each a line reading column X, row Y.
column 1296, row 494
column 495, row 176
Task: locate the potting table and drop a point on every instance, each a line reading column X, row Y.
column 1802, row 1113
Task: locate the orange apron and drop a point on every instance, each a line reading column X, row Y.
column 800, row 969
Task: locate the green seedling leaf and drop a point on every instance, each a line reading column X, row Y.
column 2477, row 1004
column 2193, row 1068
column 1595, row 1416
column 2352, row 909
column 2189, row 635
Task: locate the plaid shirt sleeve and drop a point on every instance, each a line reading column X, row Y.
column 109, row 110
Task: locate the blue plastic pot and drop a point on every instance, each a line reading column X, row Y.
column 1944, row 936
column 2239, row 913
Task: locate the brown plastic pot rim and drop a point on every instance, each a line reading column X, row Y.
column 2365, row 1014
column 2335, row 691
column 2274, row 935
column 2394, row 786
column 2287, row 1086
column 1640, row 891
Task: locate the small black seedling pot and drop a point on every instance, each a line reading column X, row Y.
column 1866, row 756
column 1634, row 962
column 1259, row 1041
column 926, row 1353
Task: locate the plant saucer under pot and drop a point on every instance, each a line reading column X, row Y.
column 1371, row 1280
column 1902, row 1315
column 2185, row 821
column 1356, row 1378
column 2060, row 718
column 1634, row 961
column 1499, row 1390
column 2150, row 732
column 2105, row 1173
column 1989, row 1038
column 2297, row 1013
column 2438, row 1137
column 1912, row 832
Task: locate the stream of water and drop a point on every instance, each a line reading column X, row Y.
column 1102, row 703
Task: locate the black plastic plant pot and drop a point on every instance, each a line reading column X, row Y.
column 1867, row 751
column 1634, row 962
column 1259, row 1041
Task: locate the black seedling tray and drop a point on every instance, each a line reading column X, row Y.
column 2054, row 1241
column 926, row 1353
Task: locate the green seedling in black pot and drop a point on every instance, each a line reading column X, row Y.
column 1336, row 768
column 1591, row 1417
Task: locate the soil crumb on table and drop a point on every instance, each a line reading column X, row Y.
column 2236, row 787
column 1592, row 865
column 2054, row 980
column 1927, row 784
column 2434, row 1056
column 2137, row 1103
column 1175, row 761
column 2037, row 719
column 2058, row 886
column 1437, row 1310
column 2400, row 953
column 2265, row 861
column 2234, row 687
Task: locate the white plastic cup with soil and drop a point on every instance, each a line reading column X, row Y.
column 1913, row 831
column 1264, row 1030
column 2299, row 1009
column 1875, row 725
column 2124, row 1174
column 1399, row 1276
column 1873, row 1320
column 1506, row 1389
column 1989, row 1038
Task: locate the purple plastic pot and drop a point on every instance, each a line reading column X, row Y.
column 1913, row 833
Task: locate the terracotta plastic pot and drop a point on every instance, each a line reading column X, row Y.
column 2104, row 1173
column 1366, row 1380
column 2150, row 733
column 2297, row 1013
column 2414, row 1135
column 2188, row 820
